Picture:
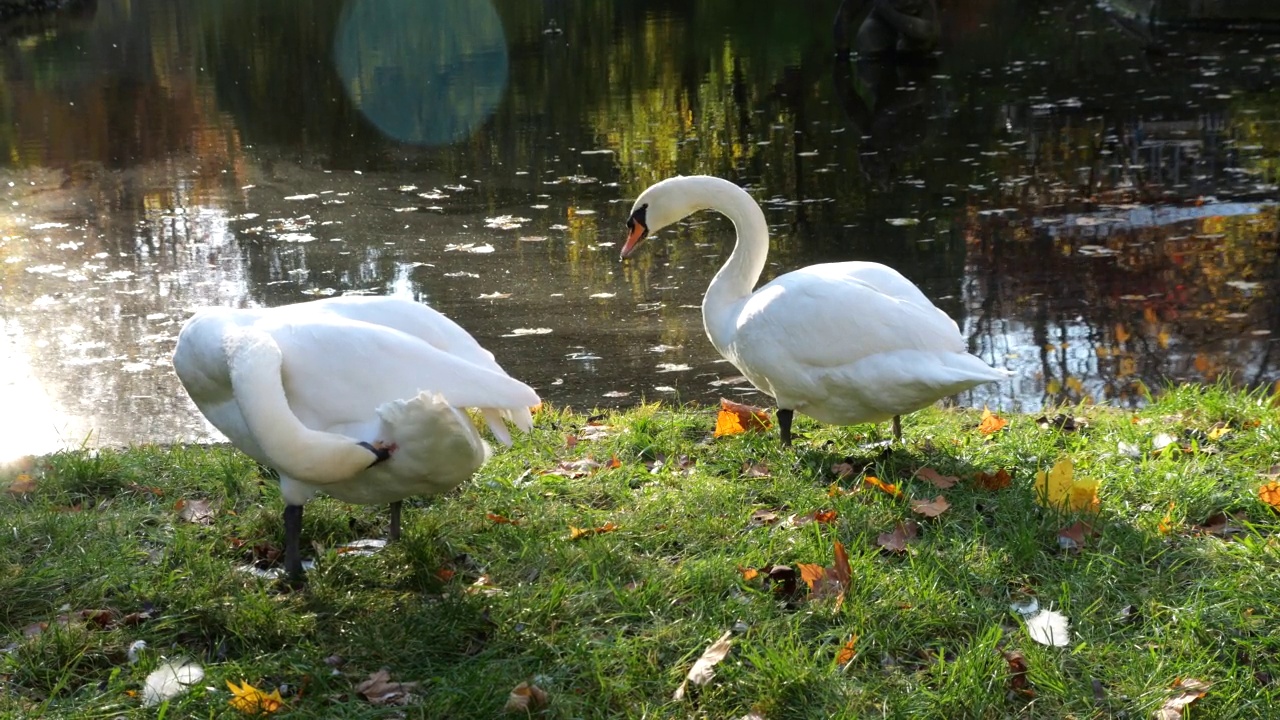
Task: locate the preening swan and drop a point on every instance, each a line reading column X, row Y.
column 844, row 343
column 356, row 397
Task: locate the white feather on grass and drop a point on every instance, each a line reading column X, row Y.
column 169, row 681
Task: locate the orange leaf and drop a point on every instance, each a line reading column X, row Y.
column 445, row 574
column 748, row 573
column 1166, row 522
column 930, row 508
column 882, row 486
column 737, row 418
column 991, row 423
column 577, row 533
column 614, row 462
column 825, row 516
column 936, row 478
column 1270, row 494
column 811, row 573
column 500, row 519
column 847, row 651
column 998, row 480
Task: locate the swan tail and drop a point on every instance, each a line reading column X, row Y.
column 971, row 368
column 433, row 438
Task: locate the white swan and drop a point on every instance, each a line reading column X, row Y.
column 844, row 343
column 355, row 397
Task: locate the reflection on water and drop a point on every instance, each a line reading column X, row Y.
column 1096, row 215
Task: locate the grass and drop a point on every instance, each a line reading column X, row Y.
column 609, row 624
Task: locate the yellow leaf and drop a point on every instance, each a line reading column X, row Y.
column 1058, row 488
column 748, row 573
column 22, row 484
column 737, row 418
column 1218, row 432
column 1166, row 522
column 252, row 701
column 991, row 423
column 727, row 423
column 1122, row 333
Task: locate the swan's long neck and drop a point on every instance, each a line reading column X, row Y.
column 737, row 278
column 306, row 455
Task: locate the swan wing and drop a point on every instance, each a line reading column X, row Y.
column 834, row 315
column 337, row 371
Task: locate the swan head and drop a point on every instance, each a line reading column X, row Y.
column 660, row 205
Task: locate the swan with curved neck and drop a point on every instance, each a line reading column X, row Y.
column 844, row 343
column 356, row 397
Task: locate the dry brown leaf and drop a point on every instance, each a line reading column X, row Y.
column 1221, row 524
column 500, row 519
column 704, row 668
column 574, row 469
column 844, row 470
column 755, row 470
column 998, row 480
column 197, row 511
column 613, row 463
column 811, row 573
column 930, row 508
column 379, row 690
column 762, row 517
column 1018, row 681
column 935, row 478
column 1073, row 536
column 823, row 517
column 896, row 541
column 1186, row 691
column 526, row 698
column 991, row 423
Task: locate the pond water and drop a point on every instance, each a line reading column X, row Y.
column 1092, row 200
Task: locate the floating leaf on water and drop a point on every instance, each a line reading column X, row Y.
column 494, row 296
column 603, row 295
column 478, row 249
column 672, row 367
column 308, row 196
column 900, row 222
column 505, row 222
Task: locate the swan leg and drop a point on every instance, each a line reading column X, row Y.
column 784, row 425
column 293, row 541
column 897, row 428
column 394, row 533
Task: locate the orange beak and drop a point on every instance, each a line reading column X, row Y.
column 638, row 231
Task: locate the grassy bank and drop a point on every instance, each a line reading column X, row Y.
column 610, row 620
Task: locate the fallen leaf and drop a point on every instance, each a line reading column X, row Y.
column 762, row 517
column 577, row 533
column 991, row 423
column 170, row 680
column 1018, row 682
column 735, row 418
column 526, row 698
column 704, row 668
column 834, row 490
column 930, row 508
column 748, row 573
column 1218, row 431
column 755, row 470
column 613, row 463
column 1073, row 536
column 445, row 574
column 379, row 690
column 198, row 511
column 1166, row 522
column 936, row 478
column 1270, row 494
column 1049, row 627
column 21, row 484
column 998, row 480
column 1220, row 523
column 1186, row 691
column 896, row 541
column 824, row 517
column 844, row 470
column 847, row 651
column 882, row 486
column 501, row 519
column 824, row 581
column 252, row 701
column 811, row 573
column 1058, row 488
column 574, row 469
column 1065, row 423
